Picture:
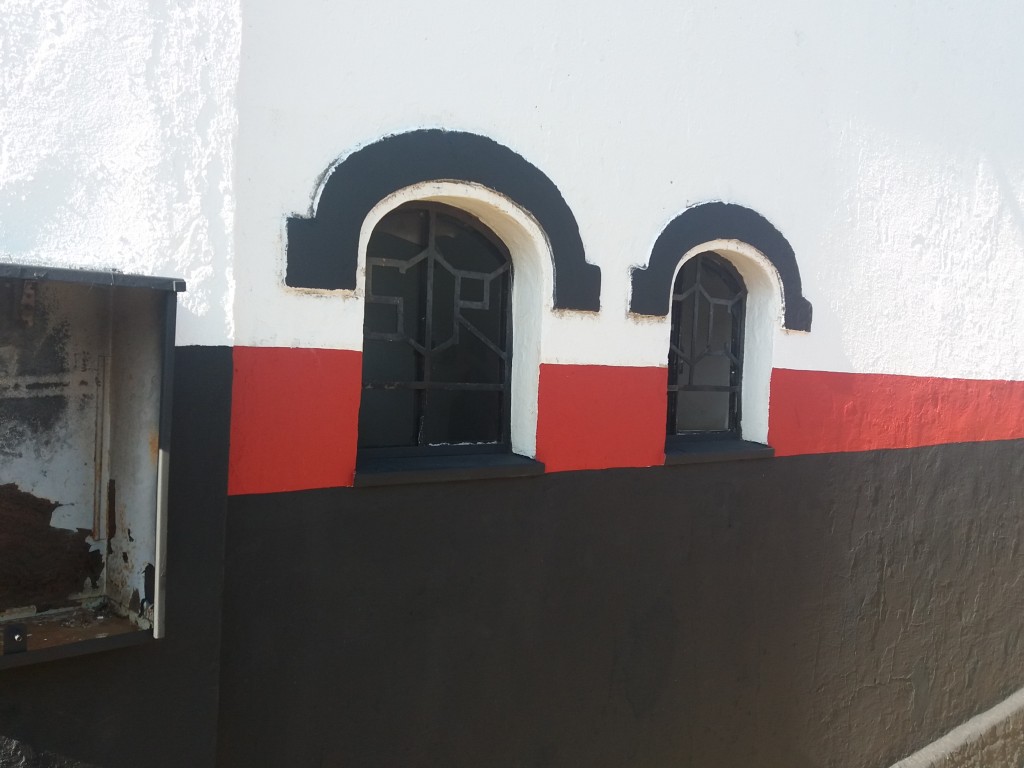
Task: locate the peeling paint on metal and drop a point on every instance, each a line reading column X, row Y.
column 41, row 566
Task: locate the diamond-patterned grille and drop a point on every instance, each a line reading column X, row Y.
column 705, row 359
column 437, row 333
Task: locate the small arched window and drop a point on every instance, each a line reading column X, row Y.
column 437, row 335
column 705, row 359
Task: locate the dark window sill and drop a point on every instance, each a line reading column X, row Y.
column 707, row 451
column 443, row 469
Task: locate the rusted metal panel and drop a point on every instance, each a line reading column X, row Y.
column 80, row 415
column 133, row 453
column 51, row 448
column 41, row 566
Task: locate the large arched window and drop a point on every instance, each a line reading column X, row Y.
column 705, row 360
column 437, row 338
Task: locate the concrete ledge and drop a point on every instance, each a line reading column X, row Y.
column 993, row 738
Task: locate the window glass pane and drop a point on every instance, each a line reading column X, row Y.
column 490, row 323
column 473, row 290
column 681, row 349
column 471, row 361
column 402, row 294
column 382, row 317
column 466, row 249
column 389, row 361
column 702, row 337
column 392, row 415
column 702, row 411
column 442, row 330
column 459, row 417
column 400, row 234
column 712, row 370
column 720, row 336
column 687, row 276
column 715, row 282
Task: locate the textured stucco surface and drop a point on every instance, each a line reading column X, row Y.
column 830, row 611
column 881, row 140
column 117, row 124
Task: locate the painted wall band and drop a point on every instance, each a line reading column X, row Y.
column 323, row 250
column 769, row 614
column 295, row 416
column 599, row 417
column 826, row 412
column 652, row 285
column 294, row 419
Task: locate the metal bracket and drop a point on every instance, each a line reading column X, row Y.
column 15, row 639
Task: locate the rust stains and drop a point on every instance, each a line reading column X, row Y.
column 40, row 565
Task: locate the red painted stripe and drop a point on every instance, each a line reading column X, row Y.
column 596, row 417
column 294, row 416
column 822, row 412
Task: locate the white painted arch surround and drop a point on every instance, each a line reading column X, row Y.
column 532, row 283
column 764, row 314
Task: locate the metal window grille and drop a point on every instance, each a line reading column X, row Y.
column 437, row 365
column 705, row 360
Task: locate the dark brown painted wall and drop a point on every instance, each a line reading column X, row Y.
column 831, row 610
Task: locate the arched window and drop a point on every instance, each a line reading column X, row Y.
column 437, row 335
column 705, row 359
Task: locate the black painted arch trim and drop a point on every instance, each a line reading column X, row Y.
column 652, row 285
column 323, row 250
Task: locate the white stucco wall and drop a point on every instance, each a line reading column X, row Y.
column 882, row 141
column 117, row 124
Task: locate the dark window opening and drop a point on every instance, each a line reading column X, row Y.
column 437, row 354
column 705, row 359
